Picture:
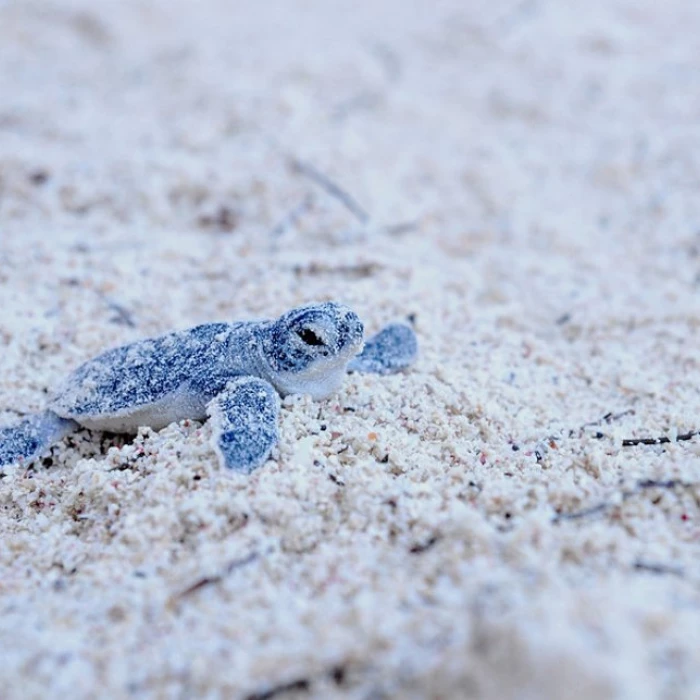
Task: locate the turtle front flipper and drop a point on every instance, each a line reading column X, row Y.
column 394, row 348
column 244, row 417
column 32, row 437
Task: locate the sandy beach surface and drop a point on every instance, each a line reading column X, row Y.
column 519, row 178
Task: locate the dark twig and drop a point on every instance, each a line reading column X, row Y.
column 577, row 515
column 660, row 569
column 640, row 486
column 425, row 546
column 331, row 188
column 632, row 442
column 224, row 219
column 300, row 684
column 610, row 417
column 338, row 674
column 607, row 419
column 209, row 580
column 655, row 484
column 17, row 412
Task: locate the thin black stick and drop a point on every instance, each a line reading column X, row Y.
column 608, row 418
column 640, row 486
column 655, row 568
column 300, row 684
column 655, row 484
column 577, row 515
column 209, row 580
column 331, row 188
column 628, row 442
column 425, row 546
column 632, row 442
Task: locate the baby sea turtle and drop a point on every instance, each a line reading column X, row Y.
column 232, row 372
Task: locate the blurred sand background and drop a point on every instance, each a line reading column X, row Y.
column 524, row 177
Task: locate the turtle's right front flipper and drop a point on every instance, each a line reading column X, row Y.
column 394, row 348
column 32, row 437
column 244, row 416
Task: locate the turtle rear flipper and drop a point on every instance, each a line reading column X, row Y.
column 32, row 437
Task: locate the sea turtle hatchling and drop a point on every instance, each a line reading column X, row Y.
column 231, row 372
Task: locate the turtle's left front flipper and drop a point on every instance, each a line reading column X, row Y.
column 245, row 417
column 394, row 348
column 32, row 437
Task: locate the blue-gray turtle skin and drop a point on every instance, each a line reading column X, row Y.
column 392, row 349
column 198, row 361
column 245, row 418
column 232, row 372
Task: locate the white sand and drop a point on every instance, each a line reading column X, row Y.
column 546, row 157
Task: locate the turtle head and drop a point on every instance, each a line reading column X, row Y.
column 308, row 348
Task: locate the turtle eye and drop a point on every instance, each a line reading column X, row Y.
column 309, row 337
